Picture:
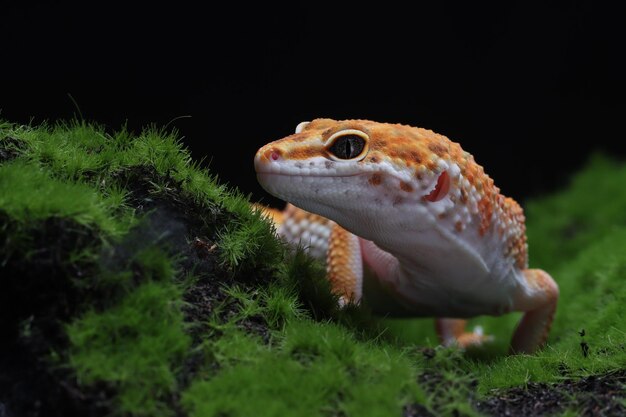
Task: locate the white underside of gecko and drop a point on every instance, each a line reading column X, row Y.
column 438, row 274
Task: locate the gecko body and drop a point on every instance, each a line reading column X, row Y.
column 408, row 221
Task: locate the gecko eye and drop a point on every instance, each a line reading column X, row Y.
column 347, row 145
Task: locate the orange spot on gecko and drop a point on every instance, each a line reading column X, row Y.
column 463, row 196
column 376, row 179
column 470, row 176
column 441, row 189
column 437, row 148
column 415, row 157
column 485, row 209
column 458, row 226
column 406, row 187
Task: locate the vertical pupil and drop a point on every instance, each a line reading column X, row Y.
column 348, row 148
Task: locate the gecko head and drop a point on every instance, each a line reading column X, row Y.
column 362, row 174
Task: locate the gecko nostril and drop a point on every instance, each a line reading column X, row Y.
column 272, row 154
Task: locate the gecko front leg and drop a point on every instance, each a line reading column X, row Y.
column 538, row 300
column 344, row 265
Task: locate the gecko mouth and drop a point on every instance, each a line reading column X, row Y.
column 283, row 185
column 294, row 175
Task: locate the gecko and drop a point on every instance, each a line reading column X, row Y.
column 407, row 222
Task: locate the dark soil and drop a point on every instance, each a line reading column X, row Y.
column 37, row 296
column 416, row 410
column 597, row 395
column 10, row 148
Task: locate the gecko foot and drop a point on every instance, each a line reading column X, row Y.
column 474, row 338
column 452, row 332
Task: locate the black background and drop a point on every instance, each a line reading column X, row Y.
column 530, row 89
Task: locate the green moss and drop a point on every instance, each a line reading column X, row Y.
column 306, row 277
column 561, row 225
column 135, row 347
column 281, row 306
column 248, row 242
column 29, row 193
column 79, row 150
column 317, row 369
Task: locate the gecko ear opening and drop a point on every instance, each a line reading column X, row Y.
column 441, row 189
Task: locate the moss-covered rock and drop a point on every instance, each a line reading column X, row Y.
column 105, row 241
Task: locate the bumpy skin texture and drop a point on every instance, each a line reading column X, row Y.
column 410, row 222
